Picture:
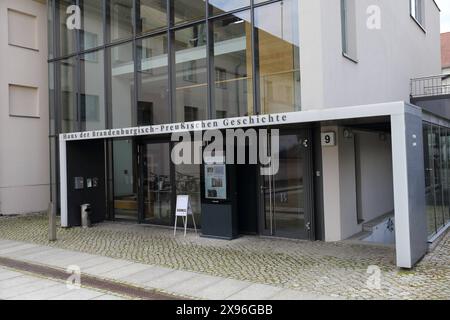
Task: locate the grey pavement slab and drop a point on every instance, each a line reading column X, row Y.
column 144, row 276
column 191, row 286
column 289, row 294
column 26, row 253
column 19, row 247
column 101, row 269
column 108, row 297
column 6, row 274
column 127, row 270
column 45, row 293
column 13, row 282
column 17, row 291
column 168, row 280
column 256, row 292
column 222, row 289
column 79, row 294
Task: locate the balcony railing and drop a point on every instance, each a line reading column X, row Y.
column 430, row 86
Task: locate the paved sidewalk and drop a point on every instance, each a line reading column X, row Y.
column 165, row 280
column 339, row 270
column 16, row 285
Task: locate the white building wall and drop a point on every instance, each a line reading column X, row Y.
column 24, row 150
column 387, row 58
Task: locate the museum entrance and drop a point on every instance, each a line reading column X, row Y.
column 285, row 195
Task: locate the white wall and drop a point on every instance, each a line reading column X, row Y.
column 387, row 58
column 375, row 158
column 24, row 150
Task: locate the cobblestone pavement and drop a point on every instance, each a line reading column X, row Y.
column 331, row 269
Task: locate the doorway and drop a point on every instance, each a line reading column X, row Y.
column 285, row 196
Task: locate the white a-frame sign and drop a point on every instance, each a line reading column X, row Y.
column 184, row 209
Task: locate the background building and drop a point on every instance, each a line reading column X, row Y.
column 333, row 68
column 24, row 112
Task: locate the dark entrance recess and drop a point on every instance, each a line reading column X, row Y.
column 247, row 198
column 86, row 180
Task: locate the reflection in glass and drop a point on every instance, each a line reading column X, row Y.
column 68, row 95
column 279, row 56
column 151, row 15
column 125, row 182
column 191, row 73
column 121, row 19
column 188, row 10
column 221, row 6
column 67, row 37
column 153, row 94
column 92, row 98
column 233, row 66
column 157, row 186
column 187, row 180
column 122, row 85
column 92, row 24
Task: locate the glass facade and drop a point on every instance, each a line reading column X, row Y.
column 437, row 176
column 167, row 61
column 148, row 62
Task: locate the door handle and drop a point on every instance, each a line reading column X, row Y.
column 308, row 226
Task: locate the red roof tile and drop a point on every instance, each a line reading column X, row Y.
column 445, row 49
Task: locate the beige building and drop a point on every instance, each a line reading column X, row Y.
column 24, row 115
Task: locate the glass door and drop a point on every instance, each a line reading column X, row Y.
column 286, row 208
column 156, row 183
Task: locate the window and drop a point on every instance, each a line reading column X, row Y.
column 122, row 86
column 22, row 30
column 121, row 19
column 151, row 15
column 191, row 73
column 278, row 57
column 92, row 24
column 68, row 95
column 417, row 12
column 188, row 10
column 92, row 92
column 348, row 28
column 221, row 6
column 233, row 65
column 153, row 89
column 23, row 101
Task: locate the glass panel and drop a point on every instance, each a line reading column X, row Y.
column 92, row 24
column 67, row 36
column 68, row 95
column 121, row 19
column 429, row 178
column 50, row 26
column 125, row 182
column 444, row 174
column 51, row 97
column 153, row 90
column 289, row 206
column 122, row 85
column 191, row 73
column 157, row 184
column 437, row 177
column 221, row 6
column 447, row 216
column 188, row 10
column 187, row 180
column 284, row 195
column 92, row 98
column 151, row 15
column 233, row 66
column 279, row 56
